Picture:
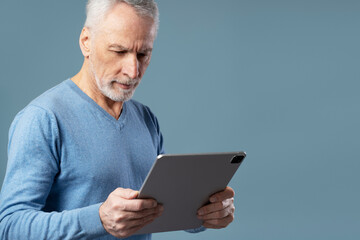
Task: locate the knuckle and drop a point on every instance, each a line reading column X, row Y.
column 121, row 206
column 138, row 205
column 120, row 217
column 117, row 190
column 112, row 227
column 153, row 204
column 145, row 204
column 121, row 227
column 112, row 205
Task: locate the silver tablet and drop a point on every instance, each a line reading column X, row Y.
column 183, row 183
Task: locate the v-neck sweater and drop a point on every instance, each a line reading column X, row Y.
column 66, row 154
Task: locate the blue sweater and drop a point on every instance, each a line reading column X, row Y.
column 66, row 155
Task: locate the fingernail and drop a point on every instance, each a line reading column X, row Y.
column 201, row 212
column 213, row 199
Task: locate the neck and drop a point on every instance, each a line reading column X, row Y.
column 87, row 83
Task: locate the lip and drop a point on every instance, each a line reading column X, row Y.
column 124, row 86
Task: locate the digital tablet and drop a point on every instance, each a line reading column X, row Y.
column 183, row 183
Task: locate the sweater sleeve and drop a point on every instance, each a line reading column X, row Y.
column 33, row 163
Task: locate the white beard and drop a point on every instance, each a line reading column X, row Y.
column 110, row 90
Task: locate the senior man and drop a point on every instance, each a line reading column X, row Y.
column 78, row 152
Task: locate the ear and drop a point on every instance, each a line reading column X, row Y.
column 85, row 42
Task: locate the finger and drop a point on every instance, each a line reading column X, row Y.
column 126, row 193
column 130, row 231
column 214, row 207
column 218, row 214
column 123, row 226
column 144, row 220
column 141, row 214
column 218, row 223
column 228, row 192
column 136, row 205
column 133, row 230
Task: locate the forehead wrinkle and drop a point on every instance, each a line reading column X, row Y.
column 120, row 47
column 115, row 36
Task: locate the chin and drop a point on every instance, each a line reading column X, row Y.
column 123, row 97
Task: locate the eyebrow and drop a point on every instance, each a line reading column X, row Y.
column 122, row 48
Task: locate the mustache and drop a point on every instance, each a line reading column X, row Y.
column 129, row 81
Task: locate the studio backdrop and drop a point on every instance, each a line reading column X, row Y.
column 278, row 79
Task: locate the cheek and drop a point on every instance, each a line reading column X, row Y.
column 105, row 65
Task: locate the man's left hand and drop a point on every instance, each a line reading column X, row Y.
column 219, row 213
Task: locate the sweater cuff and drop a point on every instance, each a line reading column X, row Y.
column 196, row 230
column 90, row 221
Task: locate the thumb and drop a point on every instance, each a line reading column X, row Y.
column 126, row 193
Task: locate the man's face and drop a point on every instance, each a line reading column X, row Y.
column 121, row 51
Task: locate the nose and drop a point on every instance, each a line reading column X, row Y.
column 131, row 66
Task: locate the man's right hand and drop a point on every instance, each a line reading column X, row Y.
column 122, row 214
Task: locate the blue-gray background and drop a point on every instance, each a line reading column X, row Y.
column 278, row 79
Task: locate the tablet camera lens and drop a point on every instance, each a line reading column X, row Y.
column 237, row 159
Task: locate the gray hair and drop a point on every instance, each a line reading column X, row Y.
column 96, row 10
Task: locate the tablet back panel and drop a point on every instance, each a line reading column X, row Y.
column 183, row 183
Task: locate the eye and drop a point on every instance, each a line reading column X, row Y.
column 120, row 52
column 141, row 55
